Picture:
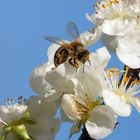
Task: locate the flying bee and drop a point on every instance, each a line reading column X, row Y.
column 73, row 52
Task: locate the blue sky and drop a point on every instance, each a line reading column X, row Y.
column 23, row 25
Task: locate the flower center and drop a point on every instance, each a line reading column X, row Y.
column 82, row 107
column 121, row 86
column 111, row 9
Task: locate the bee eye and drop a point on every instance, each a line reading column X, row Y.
column 80, row 55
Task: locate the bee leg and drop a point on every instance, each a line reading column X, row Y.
column 53, row 68
column 83, row 68
column 73, row 62
column 89, row 62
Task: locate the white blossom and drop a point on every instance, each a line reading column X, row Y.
column 120, row 24
column 83, row 106
column 90, row 37
column 120, row 96
column 10, row 114
column 112, row 15
column 43, row 113
column 128, row 49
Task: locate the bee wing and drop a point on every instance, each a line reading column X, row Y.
column 72, row 30
column 55, row 40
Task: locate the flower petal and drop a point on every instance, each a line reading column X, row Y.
column 118, row 27
column 128, row 49
column 90, row 37
column 68, row 105
column 39, row 107
column 37, row 79
column 111, row 42
column 101, row 122
column 117, row 103
column 59, row 81
column 86, row 83
column 95, row 18
column 135, row 101
column 51, row 52
column 13, row 112
column 100, row 58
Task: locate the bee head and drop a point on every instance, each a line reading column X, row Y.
column 83, row 56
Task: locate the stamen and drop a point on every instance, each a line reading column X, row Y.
column 107, row 80
column 112, row 77
column 2, row 122
column 11, row 102
column 111, row 9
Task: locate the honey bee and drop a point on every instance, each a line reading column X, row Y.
column 73, row 52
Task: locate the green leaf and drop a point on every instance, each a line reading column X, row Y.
column 96, row 103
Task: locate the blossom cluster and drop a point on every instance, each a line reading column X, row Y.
column 91, row 95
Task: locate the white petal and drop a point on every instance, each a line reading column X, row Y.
column 118, row 27
column 89, row 84
column 111, row 42
column 128, row 49
column 101, row 122
column 135, row 101
column 68, row 105
column 44, row 129
column 90, row 37
column 39, row 107
column 37, row 79
column 13, row 112
column 100, row 58
column 69, row 71
column 97, row 132
column 92, row 78
column 117, row 103
column 134, row 9
column 43, row 113
column 95, row 18
column 60, row 82
column 51, row 52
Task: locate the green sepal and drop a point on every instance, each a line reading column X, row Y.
column 26, row 115
column 23, row 121
column 21, row 132
column 96, row 103
column 76, row 127
column 3, row 137
column 7, row 129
